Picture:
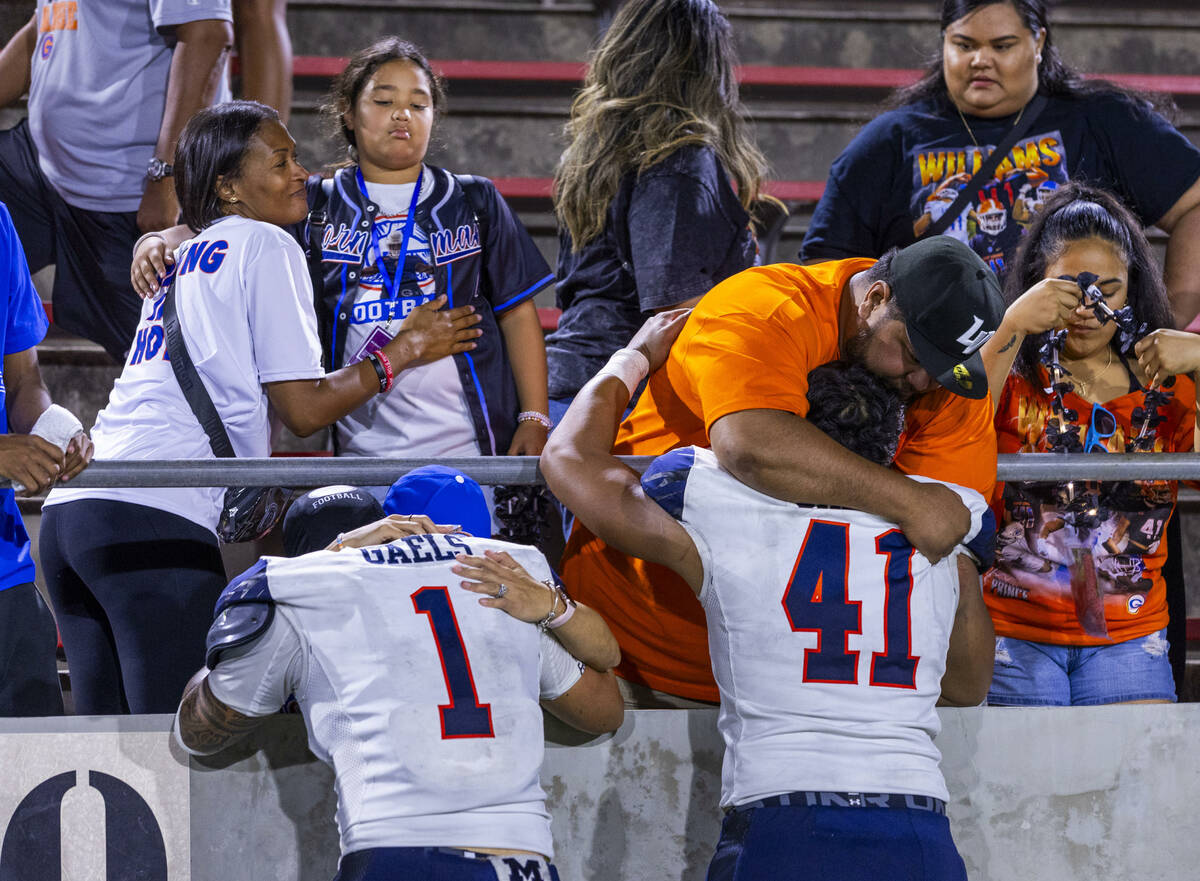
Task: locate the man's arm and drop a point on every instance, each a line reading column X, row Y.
column 196, row 68
column 605, row 494
column 204, row 723
column 786, row 456
column 15, row 60
column 972, row 651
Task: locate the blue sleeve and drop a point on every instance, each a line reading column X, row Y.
column 1152, row 161
column 864, row 209
column 679, row 236
column 512, row 265
column 26, row 324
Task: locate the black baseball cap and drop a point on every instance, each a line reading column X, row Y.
column 317, row 518
column 951, row 304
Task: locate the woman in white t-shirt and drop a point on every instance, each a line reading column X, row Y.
column 133, row 573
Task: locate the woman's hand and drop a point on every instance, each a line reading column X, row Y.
column 432, row 333
column 1048, row 305
column 523, row 597
column 389, row 529
column 529, row 439
column 1168, row 352
column 151, row 263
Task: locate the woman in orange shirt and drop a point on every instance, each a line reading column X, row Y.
column 1077, row 594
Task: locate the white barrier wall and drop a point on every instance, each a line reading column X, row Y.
column 1086, row 793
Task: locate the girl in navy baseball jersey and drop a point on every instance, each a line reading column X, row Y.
column 400, row 237
column 133, row 572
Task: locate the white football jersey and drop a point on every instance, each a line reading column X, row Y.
column 425, row 703
column 828, row 634
column 244, row 300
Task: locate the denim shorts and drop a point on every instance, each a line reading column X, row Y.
column 1036, row 674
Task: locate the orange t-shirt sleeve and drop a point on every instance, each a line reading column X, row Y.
column 750, row 358
column 950, row 438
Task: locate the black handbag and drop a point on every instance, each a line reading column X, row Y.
column 249, row 512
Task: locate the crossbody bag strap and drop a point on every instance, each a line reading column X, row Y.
column 985, row 172
column 473, row 190
column 190, row 383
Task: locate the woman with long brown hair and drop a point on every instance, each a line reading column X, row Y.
column 653, row 193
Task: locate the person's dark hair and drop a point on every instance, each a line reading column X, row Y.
column 1073, row 213
column 664, row 76
column 1055, row 78
column 882, row 268
column 348, row 85
column 857, row 409
column 212, row 146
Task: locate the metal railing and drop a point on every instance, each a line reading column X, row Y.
column 515, row 470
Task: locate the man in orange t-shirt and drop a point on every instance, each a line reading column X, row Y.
column 737, row 379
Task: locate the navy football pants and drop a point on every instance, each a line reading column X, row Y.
column 835, row 844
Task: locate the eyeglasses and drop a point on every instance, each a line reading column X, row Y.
column 1101, row 427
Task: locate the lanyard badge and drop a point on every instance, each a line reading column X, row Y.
column 375, row 252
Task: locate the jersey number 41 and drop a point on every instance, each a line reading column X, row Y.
column 816, row 602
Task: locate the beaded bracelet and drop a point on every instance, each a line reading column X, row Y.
column 544, row 624
column 534, row 416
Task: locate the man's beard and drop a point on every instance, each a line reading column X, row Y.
column 856, row 351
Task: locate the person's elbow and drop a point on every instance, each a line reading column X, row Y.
column 609, row 656
column 748, row 462
column 608, row 711
column 558, row 462
column 965, row 691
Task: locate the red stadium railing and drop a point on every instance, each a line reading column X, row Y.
column 317, row 66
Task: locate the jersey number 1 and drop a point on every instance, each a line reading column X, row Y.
column 464, row 716
column 815, row 602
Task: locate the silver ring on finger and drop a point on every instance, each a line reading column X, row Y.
column 501, row 590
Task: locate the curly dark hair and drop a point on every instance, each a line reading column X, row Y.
column 857, row 409
column 1075, row 212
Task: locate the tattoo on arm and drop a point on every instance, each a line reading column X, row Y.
column 206, row 725
column 1009, row 344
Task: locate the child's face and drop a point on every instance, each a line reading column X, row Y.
column 392, row 120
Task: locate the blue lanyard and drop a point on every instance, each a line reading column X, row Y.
column 392, row 283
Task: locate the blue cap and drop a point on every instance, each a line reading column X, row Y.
column 444, row 495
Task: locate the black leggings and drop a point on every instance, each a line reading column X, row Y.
column 133, row 590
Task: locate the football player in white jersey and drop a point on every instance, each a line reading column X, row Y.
column 831, row 638
column 423, row 697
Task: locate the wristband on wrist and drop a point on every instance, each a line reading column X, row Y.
column 383, row 370
column 628, row 365
column 387, row 368
column 565, row 615
column 534, row 416
column 380, row 373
